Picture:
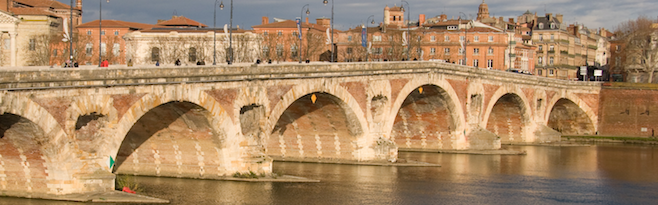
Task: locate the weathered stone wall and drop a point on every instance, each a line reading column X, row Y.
column 628, row 110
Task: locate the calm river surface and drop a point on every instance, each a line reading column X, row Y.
column 600, row 174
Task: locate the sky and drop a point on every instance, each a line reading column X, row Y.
column 348, row 14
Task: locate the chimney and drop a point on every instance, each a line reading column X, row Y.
column 559, row 17
column 324, row 22
column 79, row 4
column 443, row 17
column 511, row 20
column 549, row 16
column 421, row 19
column 307, row 20
column 265, row 20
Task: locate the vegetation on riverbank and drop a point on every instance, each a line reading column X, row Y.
column 613, row 138
column 128, row 181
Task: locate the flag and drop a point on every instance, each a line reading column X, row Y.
column 110, row 162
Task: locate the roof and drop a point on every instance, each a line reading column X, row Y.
column 44, row 3
column 181, row 21
column 396, row 8
column 291, row 24
column 116, row 24
column 188, row 30
column 32, row 11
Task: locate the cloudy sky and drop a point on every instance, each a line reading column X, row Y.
column 247, row 13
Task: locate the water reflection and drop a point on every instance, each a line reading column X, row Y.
column 602, row 174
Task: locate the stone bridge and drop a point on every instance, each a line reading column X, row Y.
column 61, row 127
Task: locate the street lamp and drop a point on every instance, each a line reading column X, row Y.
column 100, row 31
column 214, row 32
column 230, row 33
column 300, row 29
column 465, row 37
column 366, row 38
column 71, row 32
column 408, row 32
column 332, row 28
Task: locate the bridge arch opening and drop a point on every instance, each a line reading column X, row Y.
column 568, row 118
column 317, row 125
column 22, row 164
column 426, row 120
column 508, row 118
column 174, row 139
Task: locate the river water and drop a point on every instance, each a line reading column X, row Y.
column 598, row 174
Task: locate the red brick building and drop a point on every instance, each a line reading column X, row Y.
column 281, row 39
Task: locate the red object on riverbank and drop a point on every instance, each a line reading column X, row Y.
column 126, row 189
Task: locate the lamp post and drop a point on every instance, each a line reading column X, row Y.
column 465, row 37
column 366, row 38
column 230, row 33
column 100, row 31
column 71, row 33
column 214, row 37
column 408, row 32
column 332, row 28
column 300, row 29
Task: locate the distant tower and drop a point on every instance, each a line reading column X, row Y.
column 78, row 4
column 387, row 15
column 483, row 11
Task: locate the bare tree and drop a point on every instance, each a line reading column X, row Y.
column 640, row 54
column 39, row 49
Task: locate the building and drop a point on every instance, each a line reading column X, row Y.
column 281, row 39
column 35, row 27
column 113, row 46
column 190, row 42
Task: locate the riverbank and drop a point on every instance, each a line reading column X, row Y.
column 398, row 163
column 611, row 139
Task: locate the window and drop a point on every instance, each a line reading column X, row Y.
column 102, row 33
column 475, row 63
column 349, row 38
column 88, row 49
column 552, row 27
column 116, row 49
column 461, row 38
column 541, row 37
column 461, row 51
column 293, row 50
column 540, row 60
column 551, row 72
column 191, row 54
column 88, row 32
column 541, row 25
column 54, row 52
column 7, row 44
column 103, row 49
column 349, row 50
column 295, row 34
column 552, row 37
column 432, row 38
column 116, row 33
column 33, row 44
column 446, row 38
column 461, row 61
column 550, row 60
column 490, row 63
column 279, row 33
column 378, row 51
column 617, row 48
column 539, row 72
column 376, row 38
column 490, row 39
column 540, row 48
column 452, row 27
column 446, row 51
column 432, row 51
column 266, row 51
column 476, row 51
column 155, row 54
column 551, row 48
column 476, row 38
column 265, row 33
column 490, row 51
column 279, row 50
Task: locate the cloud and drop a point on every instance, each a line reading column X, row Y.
column 594, row 14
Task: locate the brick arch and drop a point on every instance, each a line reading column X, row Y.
column 219, row 120
column 302, row 90
column 591, row 115
column 52, row 153
column 457, row 114
column 331, row 145
column 500, row 93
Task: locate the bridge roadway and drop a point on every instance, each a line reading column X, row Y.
column 60, row 127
